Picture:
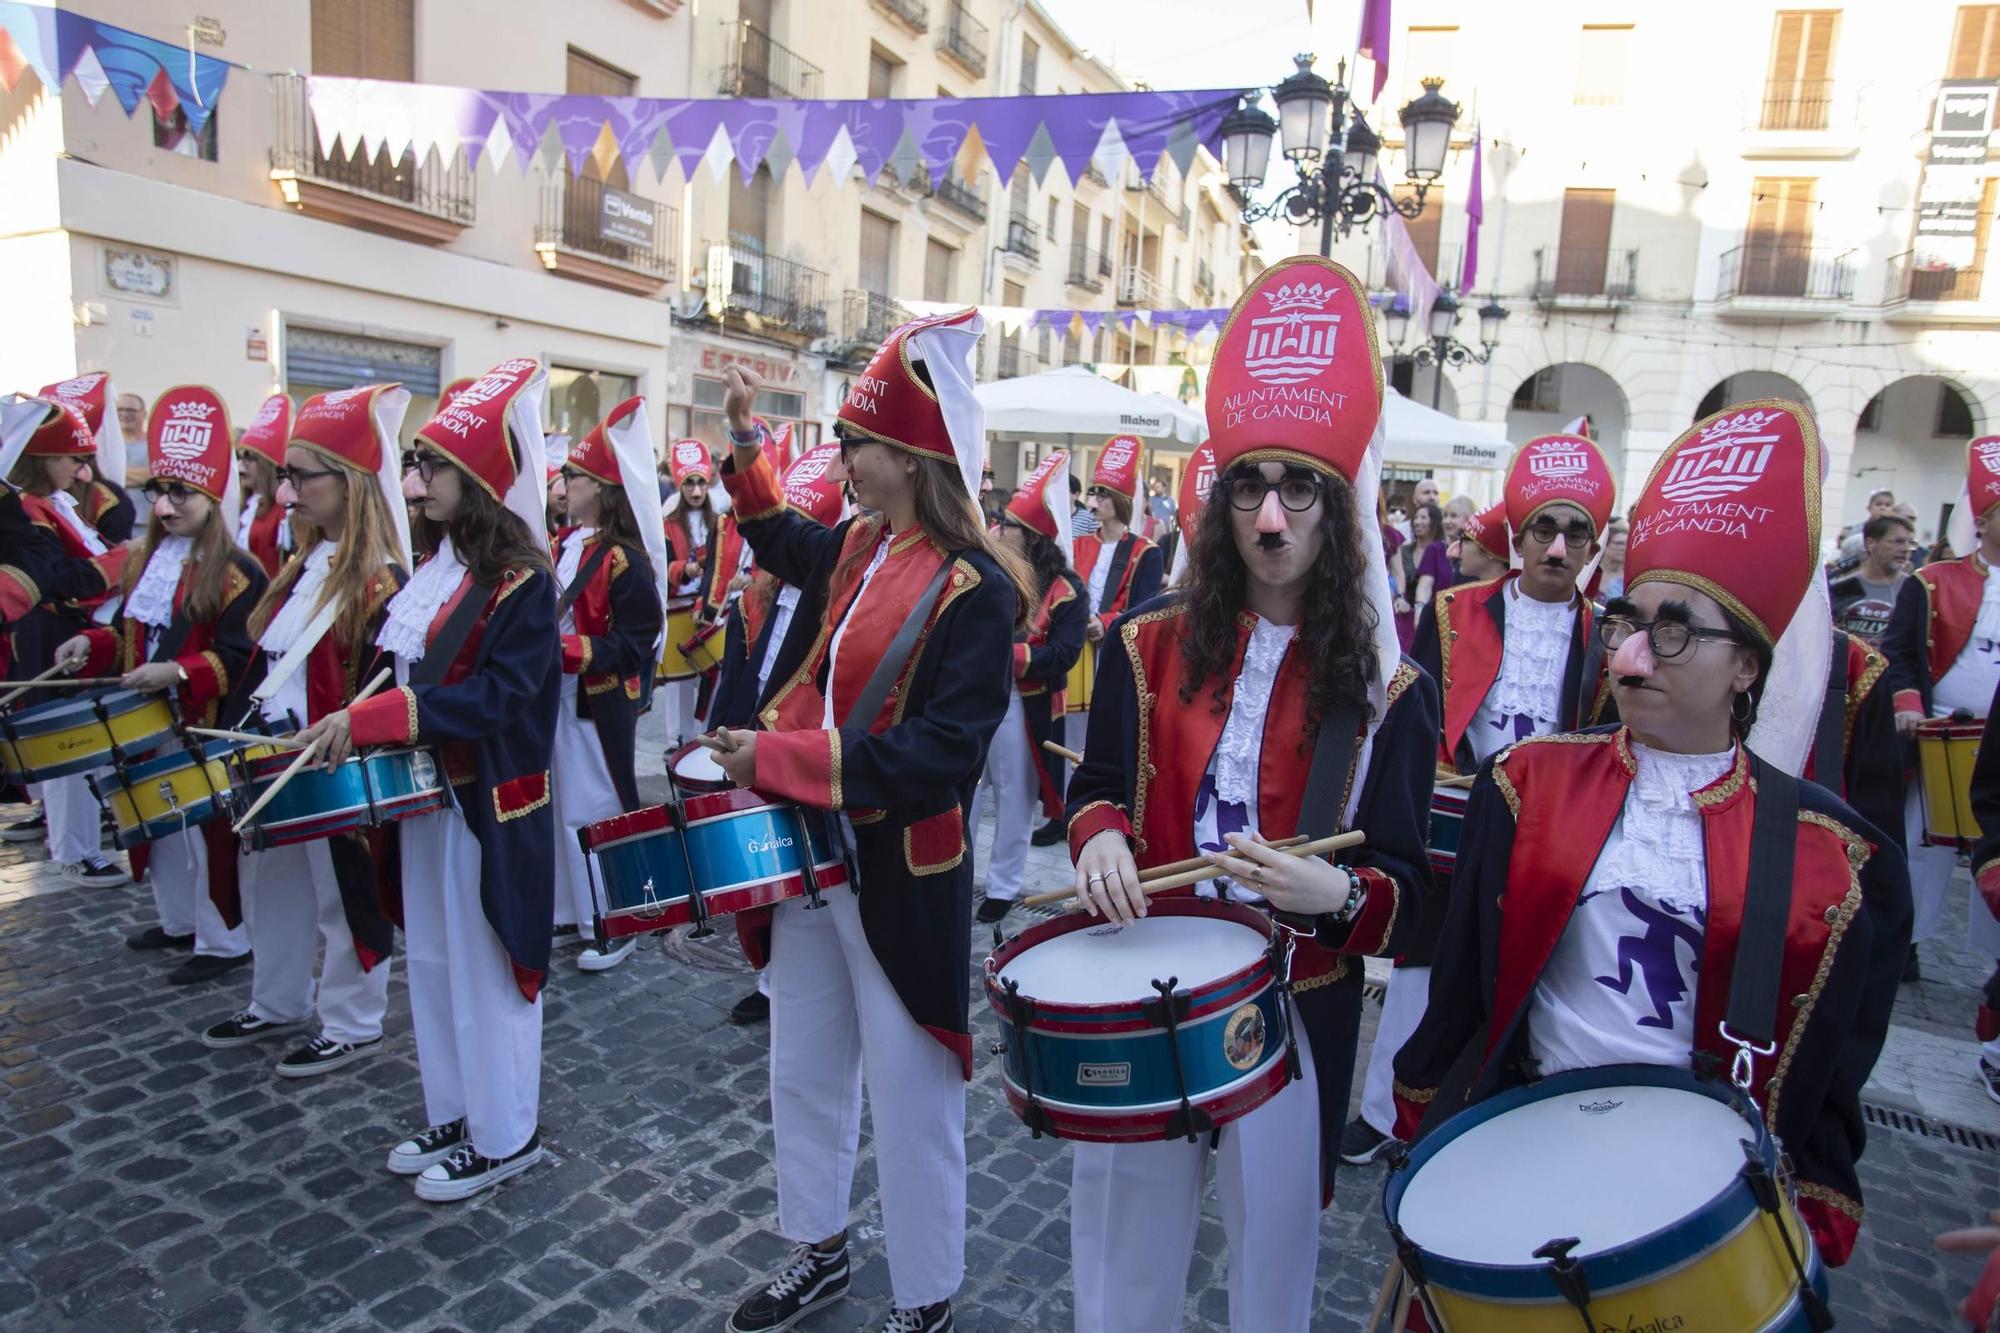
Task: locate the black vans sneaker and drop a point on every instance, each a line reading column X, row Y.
column 424, row 1149
column 30, row 829
column 243, row 1029
column 930, row 1319
column 1361, row 1143
column 808, row 1280
column 465, row 1173
column 323, row 1055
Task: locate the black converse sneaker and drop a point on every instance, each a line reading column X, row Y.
column 930, row 1319
column 95, row 872
column 242, row 1030
column 30, row 829
column 417, row 1153
column 323, row 1055
column 1989, row 1075
column 465, row 1173
column 809, row 1279
column 1361, row 1143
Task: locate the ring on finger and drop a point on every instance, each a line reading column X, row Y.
column 1257, row 875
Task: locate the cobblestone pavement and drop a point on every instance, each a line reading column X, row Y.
column 147, row 1182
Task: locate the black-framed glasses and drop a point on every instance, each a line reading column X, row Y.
column 299, row 476
column 173, row 492
column 1668, row 639
column 1545, row 530
column 251, row 456
column 568, row 473
column 409, row 460
column 1294, row 493
column 427, row 465
column 1098, row 493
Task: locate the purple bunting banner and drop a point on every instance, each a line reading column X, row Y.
column 103, row 57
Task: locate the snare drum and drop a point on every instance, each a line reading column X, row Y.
column 75, row 735
column 695, row 772
column 702, row 649
column 674, row 664
column 171, row 792
column 1447, row 823
column 366, row 790
column 1082, row 676
column 726, row 852
column 1946, row 751
column 1647, row 1166
column 1090, row 1048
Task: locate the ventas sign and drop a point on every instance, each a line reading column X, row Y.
column 626, row 217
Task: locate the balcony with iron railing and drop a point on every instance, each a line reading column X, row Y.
column 768, row 289
column 868, row 318
column 1154, row 185
column 1085, row 268
column 1795, row 104
column 1762, row 272
column 1023, row 241
column 1937, row 293
column 431, row 201
column 757, row 66
column 1136, row 287
column 608, row 236
column 1204, row 281
column 913, row 14
column 1585, row 275
column 962, row 38
column 1800, row 118
column 955, row 194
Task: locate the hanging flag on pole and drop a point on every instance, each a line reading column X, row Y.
column 1475, row 214
column 1374, row 40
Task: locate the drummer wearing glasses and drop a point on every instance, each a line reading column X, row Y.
column 1266, row 697
column 1603, row 884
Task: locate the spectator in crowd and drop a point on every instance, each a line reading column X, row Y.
column 1611, row 568
column 1421, row 568
column 1879, row 503
column 1863, row 599
column 1162, row 507
column 1081, row 520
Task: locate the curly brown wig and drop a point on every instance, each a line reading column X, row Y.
column 1336, row 630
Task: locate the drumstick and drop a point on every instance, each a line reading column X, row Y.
column 1062, row 752
column 1208, row 869
column 305, row 755
column 254, row 738
column 1382, row 1296
column 715, row 744
column 1460, row 780
column 1195, row 862
column 12, row 695
column 72, row 683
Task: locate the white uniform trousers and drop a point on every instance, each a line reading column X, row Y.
column 1930, row 868
column 1403, row 1006
column 834, row 1015
column 479, row 1043
column 1017, row 796
column 291, row 906
column 675, row 700
column 178, row 866
column 75, row 820
column 1076, row 730
column 1134, row 1209
column 584, row 795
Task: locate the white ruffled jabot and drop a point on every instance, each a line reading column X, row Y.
column 152, row 598
column 300, row 603
column 406, row 630
column 1241, row 748
column 1534, row 652
column 1660, row 847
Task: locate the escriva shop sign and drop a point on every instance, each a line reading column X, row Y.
column 696, row 385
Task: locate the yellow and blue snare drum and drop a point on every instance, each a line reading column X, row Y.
column 171, row 792
column 1082, row 676
column 1633, row 1196
column 674, row 663
column 1946, row 751
column 77, row 734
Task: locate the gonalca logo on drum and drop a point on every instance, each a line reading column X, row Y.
column 756, row 845
column 1104, row 1076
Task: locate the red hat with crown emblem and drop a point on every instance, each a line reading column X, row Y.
column 1982, row 473
column 890, row 404
column 1042, row 501
column 810, row 488
column 453, row 390
column 1297, row 373
column 187, row 439
column 474, row 432
column 1197, row 480
column 342, row 425
column 1559, row 469
column 1118, row 466
column 270, row 430
column 89, row 394
column 1732, row 510
column 1487, row 530
column 65, row 433
column 690, row 458
column 593, row 455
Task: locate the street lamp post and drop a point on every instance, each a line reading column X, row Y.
column 1439, row 349
column 1338, row 185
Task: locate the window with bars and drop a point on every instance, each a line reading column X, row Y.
column 1797, row 90
column 366, row 39
column 1031, row 55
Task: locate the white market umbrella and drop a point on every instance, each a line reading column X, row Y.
column 1190, row 422
column 1075, row 401
column 1419, row 436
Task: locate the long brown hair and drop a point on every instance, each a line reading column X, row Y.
column 262, row 480
column 615, row 520
column 31, row 474
column 488, row 537
column 207, row 592
column 953, row 523
column 367, row 547
column 1336, row 632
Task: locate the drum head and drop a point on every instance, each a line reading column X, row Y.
column 1608, row 1165
column 698, row 765
column 1113, row 964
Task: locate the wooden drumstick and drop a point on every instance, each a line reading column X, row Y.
column 1460, row 780
column 1062, row 752
column 716, row 744
column 305, row 755
column 284, row 742
column 1207, row 869
column 72, row 683
column 1196, row 862
column 12, row 695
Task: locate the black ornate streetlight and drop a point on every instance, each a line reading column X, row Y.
column 1329, row 142
column 1439, row 348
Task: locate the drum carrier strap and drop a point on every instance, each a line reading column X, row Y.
column 443, row 651
column 1829, row 756
column 575, row 588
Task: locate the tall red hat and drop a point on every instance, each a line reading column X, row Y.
column 453, row 390
column 690, row 458
column 271, row 429
column 777, row 444
column 1559, row 469
column 1982, row 473
column 593, row 455
column 1118, row 466
column 474, row 430
column 1297, row 373
column 811, row 490
column 1197, row 480
column 1487, row 530
column 89, row 394
column 64, row 434
column 1732, row 510
column 941, row 419
column 1042, row 501
column 361, row 427
column 187, row 439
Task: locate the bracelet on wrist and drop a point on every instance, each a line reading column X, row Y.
column 744, row 438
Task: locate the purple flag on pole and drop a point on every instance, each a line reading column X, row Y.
column 1475, row 213
column 1374, row 39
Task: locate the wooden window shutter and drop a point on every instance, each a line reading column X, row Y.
column 878, row 237
column 1798, row 87
column 1975, row 43
column 1585, row 246
column 937, row 271
column 365, row 39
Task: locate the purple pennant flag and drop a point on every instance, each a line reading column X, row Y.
column 1125, row 318
column 1475, row 214
column 131, row 60
column 1093, row 320
column 1374, row 39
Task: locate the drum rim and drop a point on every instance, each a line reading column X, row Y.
column 1944, row 729
column 285, row 758
column 1070, row 922
column 1274, row 1057
column 646, row 821
column 130, row 702
column 1641, row 1259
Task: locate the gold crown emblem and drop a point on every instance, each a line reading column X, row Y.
column 1299, row 296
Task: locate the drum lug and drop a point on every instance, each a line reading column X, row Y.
column 1190, row 1121
column 1571, row 1283
column 1021, row 1012
column 1769, row 1193
column 1410, row 1256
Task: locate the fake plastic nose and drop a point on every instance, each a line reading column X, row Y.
column 1634, row 657
column 286, row 495
column 162, row 507
column 1271, row 514
column 1559, row 548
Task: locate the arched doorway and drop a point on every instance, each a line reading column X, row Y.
column 1747, row 385
column 1548, row 400
column 1910, row 439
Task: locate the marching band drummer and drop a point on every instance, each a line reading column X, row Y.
column 477, row 626
column 1267, row 697
column 1022, row 775
column 98, row 489
column 1480, row 551
column 185, row 625
column 612, row 568
column 1603, row 876
column 316, row 627
column 692, row 530
column 260, row 455
column 885, row 724
column 1514, row 657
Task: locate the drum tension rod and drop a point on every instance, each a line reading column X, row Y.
column 1191, row 1121
column 808, row 873
column 1570, row 1280
column 590, row 872
column 1281, row 969
column 1021, row 1012
column 1764, row 1188
column 1412, row 1260
column 698, row 915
